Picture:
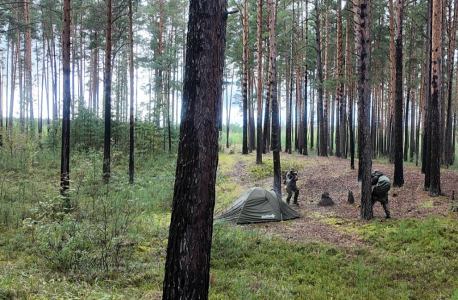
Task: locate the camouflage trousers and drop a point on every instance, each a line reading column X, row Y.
column 383, row 199
column 290, row 191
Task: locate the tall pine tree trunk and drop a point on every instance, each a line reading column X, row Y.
column 398, row 151
column 391, row 126
column 28, row 65
column 14, row 62
column 273, row 89
column 1, row 107
column 267, row 111
column 252, row 127
column 107, row 93
column 259, row 139
column 187, row 266
column 322, row 145
column 305, row 143
column 131, row 108
column 448, row 141
column 341, row 105
column 426, row 143
column 245, row 76
column 363, row 68
column 65, row 150
column 436, row 86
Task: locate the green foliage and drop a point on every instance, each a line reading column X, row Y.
column 249, row 265
column 113, row 243
column 112, row 228
column 17, row 152
column 410, row 259
column 97, row 237
column 260, row 171
column 87, row 130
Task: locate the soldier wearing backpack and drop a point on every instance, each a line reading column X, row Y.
column 380, row 191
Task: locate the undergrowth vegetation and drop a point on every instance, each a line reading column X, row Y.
column 113, row 243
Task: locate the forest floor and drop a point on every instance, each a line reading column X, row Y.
column 335, row 224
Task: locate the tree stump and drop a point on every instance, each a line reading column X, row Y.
column 351, row 199
column 325, row 200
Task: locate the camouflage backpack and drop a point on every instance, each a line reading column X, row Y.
column 383, row 184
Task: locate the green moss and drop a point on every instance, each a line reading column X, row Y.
column 426, row 204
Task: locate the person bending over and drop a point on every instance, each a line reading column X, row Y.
column 380, row 191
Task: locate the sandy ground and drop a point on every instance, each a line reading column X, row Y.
column 333, row 224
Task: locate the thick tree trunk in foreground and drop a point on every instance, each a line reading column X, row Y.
column 363, row 68
column 187, row 266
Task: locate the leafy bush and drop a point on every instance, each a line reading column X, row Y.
column 97, row 236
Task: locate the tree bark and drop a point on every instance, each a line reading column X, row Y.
column 426, row 142
column 273, row 89
column 252, row 127
column 436, row 72
column 267, row 111
column 245, row 34
column 259, row 139
column 324, row 129
column 409, row 100
column 1, row 108
column 349, row 74
column 390, row 133
column 362, row 25
column 448, row 141
column 289, row 93
column 341, row 104
column 131, row 108
column 65, row 150
column 305, row 142
column 14, row 54
column 228, row 111
column 322, row 145
column 28, row 65
column 187, row 264
column 398, row 151
column 107, row 92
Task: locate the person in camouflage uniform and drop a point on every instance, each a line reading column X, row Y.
column 291, row 178
column 380, row 191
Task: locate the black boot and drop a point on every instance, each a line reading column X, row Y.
column 387, row 210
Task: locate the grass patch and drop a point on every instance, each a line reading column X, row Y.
column 408, row 260
column 45, row 254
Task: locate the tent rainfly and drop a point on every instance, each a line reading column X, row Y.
column 257, row 205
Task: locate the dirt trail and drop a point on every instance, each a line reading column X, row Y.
column 334, row 224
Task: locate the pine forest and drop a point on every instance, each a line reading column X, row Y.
column 129, row 127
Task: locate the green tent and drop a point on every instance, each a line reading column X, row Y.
column 258, row 205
